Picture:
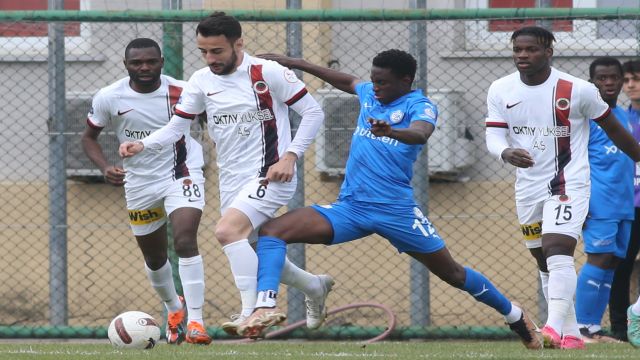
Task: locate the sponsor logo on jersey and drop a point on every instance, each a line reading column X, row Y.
column 557, row 131
column 120, row 113
column 429, row 112
column 136, row 134
column 247, row 117
column 213, row 93
column 367, row 133
column 144, row 217
column 509, row 106
column 532, row 231
column 396, row 116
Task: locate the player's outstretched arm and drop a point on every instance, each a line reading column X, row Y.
column 340, row 80
column 114, row 175
column 417, row 133
column 620, row 136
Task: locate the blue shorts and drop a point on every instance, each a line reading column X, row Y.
column 405, row 226
column 607, row 236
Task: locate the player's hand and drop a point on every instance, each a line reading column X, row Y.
column 282, row 171
column 280, row 59
column 114, row 175
column 380, row 128
column 518, row 157
column 130, row 148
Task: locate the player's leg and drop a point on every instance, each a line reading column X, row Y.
column 410, row 231
column 563, row 218
column 184, row 202
column 148, row 224
column 601, row 241
column 620, row 287
column 311, row 225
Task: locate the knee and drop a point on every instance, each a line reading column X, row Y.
column 225, row 234
column 455, row 276
column 155, row 261
column 271, row 228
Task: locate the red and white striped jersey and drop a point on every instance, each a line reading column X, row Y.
column 551, row 122
column 136, row 115
column 247, row 115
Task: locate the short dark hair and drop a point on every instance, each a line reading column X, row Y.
column 631, row 67
column 604, row 61
column 400, row 62
column 142, row 43
column 220, row 23
column 544, row 36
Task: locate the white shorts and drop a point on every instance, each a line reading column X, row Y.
column 559, row 214
column 149, row 206
column 258, row 199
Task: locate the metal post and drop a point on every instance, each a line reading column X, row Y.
column 172, row 52
column 296, row 252
column 419, row 282
column 58, row 310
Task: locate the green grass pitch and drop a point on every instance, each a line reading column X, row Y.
column 302, row 350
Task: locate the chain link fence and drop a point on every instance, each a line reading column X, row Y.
column 469, row 195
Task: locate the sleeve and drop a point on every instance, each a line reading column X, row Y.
column 495, row 117
column 284, row 83
column 592, row 104
column 496, row 126
column 99, row 114
column 363, row 88
column 424, row 111
column 191, row 100
column 312, row 118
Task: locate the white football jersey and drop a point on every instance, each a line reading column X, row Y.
column 551, row 122
column 247, row 115
column 136, row 115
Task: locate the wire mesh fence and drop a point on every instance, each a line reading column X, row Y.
column 470, row 194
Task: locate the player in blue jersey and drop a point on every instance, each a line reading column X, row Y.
column 376, row 195
column 608, row 224
column 625, row 319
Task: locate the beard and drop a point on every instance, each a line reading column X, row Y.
column 227, row 68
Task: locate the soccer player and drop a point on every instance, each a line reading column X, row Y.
column 608, row 225
column 157, row 184
column 619, row 312
column 376, row 196
column 247, row 100
column 538, row 121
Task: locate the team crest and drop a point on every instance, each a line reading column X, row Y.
column 260, row 87
column 396, row 116
column 563, row 104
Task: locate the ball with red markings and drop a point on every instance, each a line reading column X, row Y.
column 134, row 330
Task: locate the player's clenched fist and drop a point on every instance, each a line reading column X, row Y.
column 130, row 148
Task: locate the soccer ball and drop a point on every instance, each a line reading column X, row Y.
column 134, row 330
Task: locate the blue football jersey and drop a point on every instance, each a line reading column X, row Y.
column 379, row 169
column 612, row 174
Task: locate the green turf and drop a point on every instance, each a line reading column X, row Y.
column 295, row 350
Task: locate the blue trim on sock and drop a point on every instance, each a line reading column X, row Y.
column 271, row 254
column 484, row 291
column 591, row 301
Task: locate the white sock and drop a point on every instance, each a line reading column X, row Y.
column 302, row 280
column 266, row 299
column 635, row 308
column 570, row 326
column 244, row 267
column 162, row 281
column 544, row 282
column 562, row 288
column 514, row 315
column 192, row 277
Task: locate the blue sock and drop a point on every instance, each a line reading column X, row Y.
column 592, row 294
column 483, row 290
column 271, row 254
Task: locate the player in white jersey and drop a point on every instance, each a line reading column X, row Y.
column 247, row 101
column 157, row 184
column 538, row 121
